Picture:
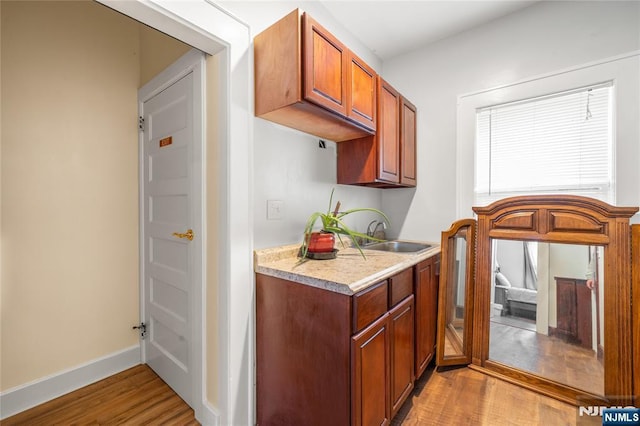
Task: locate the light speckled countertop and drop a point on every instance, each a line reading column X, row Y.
column 347, row 274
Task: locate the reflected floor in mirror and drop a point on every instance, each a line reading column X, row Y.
column 546, row 356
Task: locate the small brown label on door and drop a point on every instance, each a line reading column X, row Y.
column 166, row 141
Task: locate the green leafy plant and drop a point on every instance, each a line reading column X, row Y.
column 332, row 222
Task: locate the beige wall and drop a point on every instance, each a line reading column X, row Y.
column 69, row 176
column 157, row 52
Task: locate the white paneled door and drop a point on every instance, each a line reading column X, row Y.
column 171, row 235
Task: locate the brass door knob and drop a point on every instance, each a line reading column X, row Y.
column 188, row 235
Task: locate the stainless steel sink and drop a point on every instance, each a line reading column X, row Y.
column 398, row 246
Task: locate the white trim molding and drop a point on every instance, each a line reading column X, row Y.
column 29, row 395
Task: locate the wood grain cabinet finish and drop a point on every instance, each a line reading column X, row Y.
column 328, row 358
column 573, row 311
column 362, row 99
column 308, row 80
column 408, row 172
column 325, row 67
column 387, row 159
column 401, row 319
column 369, row 305
column 371, row 374
column 303, row 358
column 426, row 301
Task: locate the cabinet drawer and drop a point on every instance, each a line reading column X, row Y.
column 369, row 305
column 400, row 286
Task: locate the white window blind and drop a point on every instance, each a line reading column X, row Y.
column 560, row 143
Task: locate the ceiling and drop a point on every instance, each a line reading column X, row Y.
column 391, row 28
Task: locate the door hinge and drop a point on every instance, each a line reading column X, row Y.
column 142, row 327
column 141, row 123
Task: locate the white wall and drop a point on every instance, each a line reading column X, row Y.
column 288, row 165
column 543, row 38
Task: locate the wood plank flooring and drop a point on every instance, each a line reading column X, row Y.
column 136, row 396
column 463, row 396
column 453, row 397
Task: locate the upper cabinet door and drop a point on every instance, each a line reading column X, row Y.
column 361, row 98
column 325, row 63
column 455, row 296
column 388, row 132
column 408, row 143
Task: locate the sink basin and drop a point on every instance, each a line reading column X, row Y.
column 398, row 246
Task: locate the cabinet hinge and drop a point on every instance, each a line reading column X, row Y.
column 141, row 123
column 142, row 328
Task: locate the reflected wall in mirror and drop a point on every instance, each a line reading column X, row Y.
column 546, row 312
column 456, row 293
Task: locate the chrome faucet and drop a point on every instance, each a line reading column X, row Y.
column 372, row 232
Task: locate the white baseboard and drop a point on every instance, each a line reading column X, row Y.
column 209, row 416
column 26, row 396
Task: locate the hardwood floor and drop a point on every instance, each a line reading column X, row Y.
column 136, row 396
column 453, row 397
column 463, row 396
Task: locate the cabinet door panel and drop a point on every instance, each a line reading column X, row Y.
column 402, row 350
column 426, row 301
column 369, row 305
column 408, row 143
column 388, row 133
column 325, row 73
column 400, row 286
column 370, row 375
column 362, row 95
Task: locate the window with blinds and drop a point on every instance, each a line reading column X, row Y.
column 559, row 143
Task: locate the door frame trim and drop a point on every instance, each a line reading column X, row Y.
column 210, row 28
column 191, row 62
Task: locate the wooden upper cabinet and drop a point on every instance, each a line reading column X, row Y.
column 362, row 93
column 407, row 143
column 388, row 133
column 303, row 80
column 325, row 67
column 387, row 159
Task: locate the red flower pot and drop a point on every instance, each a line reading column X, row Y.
column 321, row 242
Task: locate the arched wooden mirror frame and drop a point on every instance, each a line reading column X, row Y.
column 574, row 220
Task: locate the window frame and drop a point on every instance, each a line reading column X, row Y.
column 623, row 70
column 525, row 110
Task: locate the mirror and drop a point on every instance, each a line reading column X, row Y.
column 546, row 313
column 579, row 343
column 455, row 294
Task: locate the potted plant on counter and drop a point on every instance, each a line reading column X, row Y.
column 320, row 244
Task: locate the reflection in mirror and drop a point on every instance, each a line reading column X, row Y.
column 547, row 311
column 454, row 335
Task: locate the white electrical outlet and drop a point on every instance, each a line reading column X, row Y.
column 275, row 209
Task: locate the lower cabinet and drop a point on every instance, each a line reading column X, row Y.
column 402, row 353
column 328, row 358
column 427, row 275
column 371, row 374
column 382, row 375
